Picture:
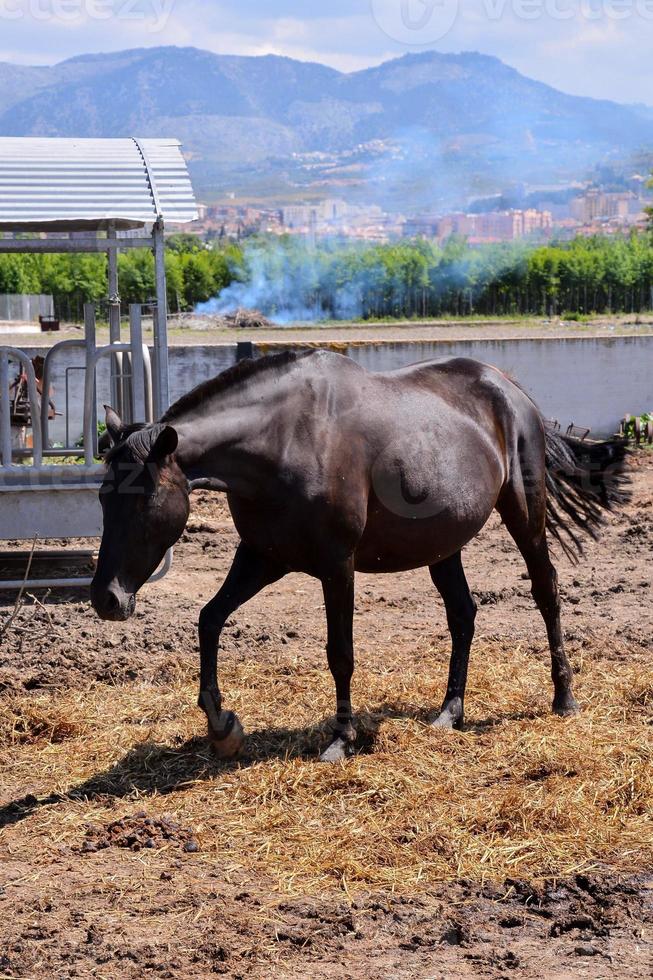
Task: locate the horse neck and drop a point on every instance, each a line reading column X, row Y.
column 222, row 440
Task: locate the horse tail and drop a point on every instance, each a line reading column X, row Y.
column 583, row 481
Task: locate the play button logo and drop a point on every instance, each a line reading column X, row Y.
column 415, row 22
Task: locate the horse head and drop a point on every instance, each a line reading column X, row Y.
column 145, row 505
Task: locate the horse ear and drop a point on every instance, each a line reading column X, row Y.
column 114, row 424
column 165, row 444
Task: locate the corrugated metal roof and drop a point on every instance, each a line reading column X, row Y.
column 58, row 184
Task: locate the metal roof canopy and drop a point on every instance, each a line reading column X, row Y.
column 92, row 185
column 106, row 189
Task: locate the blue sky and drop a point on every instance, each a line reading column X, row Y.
column 589, row 47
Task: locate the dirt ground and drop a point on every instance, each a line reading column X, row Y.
column 522, row 847
column 202, row 331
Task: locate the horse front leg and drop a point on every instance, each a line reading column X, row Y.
column 249, row 574
column 338, row 589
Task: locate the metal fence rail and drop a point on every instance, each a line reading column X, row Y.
column 45, row 498
column 6, row 447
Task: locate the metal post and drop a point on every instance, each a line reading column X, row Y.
column 162, row 386
column 90, row 399
column 149, row 387
column 117, row 383
column 114, row 295
column 34, row 409
column 5, row 418
column 139, row 411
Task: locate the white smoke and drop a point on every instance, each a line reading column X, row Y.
column 288, row 281
column 291, row 280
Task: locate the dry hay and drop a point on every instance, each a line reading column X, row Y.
column 519, row 794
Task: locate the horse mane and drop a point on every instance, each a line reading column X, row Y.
column 242, row 371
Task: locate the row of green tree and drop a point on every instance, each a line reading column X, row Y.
column 425, row 279
column 287, row 276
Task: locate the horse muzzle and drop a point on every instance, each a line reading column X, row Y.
column 112, row 602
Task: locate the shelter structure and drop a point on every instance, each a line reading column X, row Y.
column 84, row 196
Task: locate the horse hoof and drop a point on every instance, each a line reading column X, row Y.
column 228, row 742
column 445, row 721
column 569, row 709
column 450, row 717
column 338, row 751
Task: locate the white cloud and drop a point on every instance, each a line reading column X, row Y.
column 590, row 54
column 597, row 51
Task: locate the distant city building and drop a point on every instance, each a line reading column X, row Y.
column 422, row 227
column 490, row 226
column 595, row 205
column 592, row 212
column 336, row 217
column 299, row 216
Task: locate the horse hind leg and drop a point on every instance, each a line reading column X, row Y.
column 338, row 590
column 524, row 515
column 449, row 579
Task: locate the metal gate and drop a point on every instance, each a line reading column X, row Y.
column 52, row 492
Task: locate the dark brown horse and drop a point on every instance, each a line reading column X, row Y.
column 329, row 470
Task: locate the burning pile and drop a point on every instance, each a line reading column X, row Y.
column 246, row 320
column 241, row 319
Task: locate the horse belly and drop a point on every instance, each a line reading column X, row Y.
column 396, row 545
column 421, row 514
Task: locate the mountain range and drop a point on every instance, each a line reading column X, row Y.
column 421, row 130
